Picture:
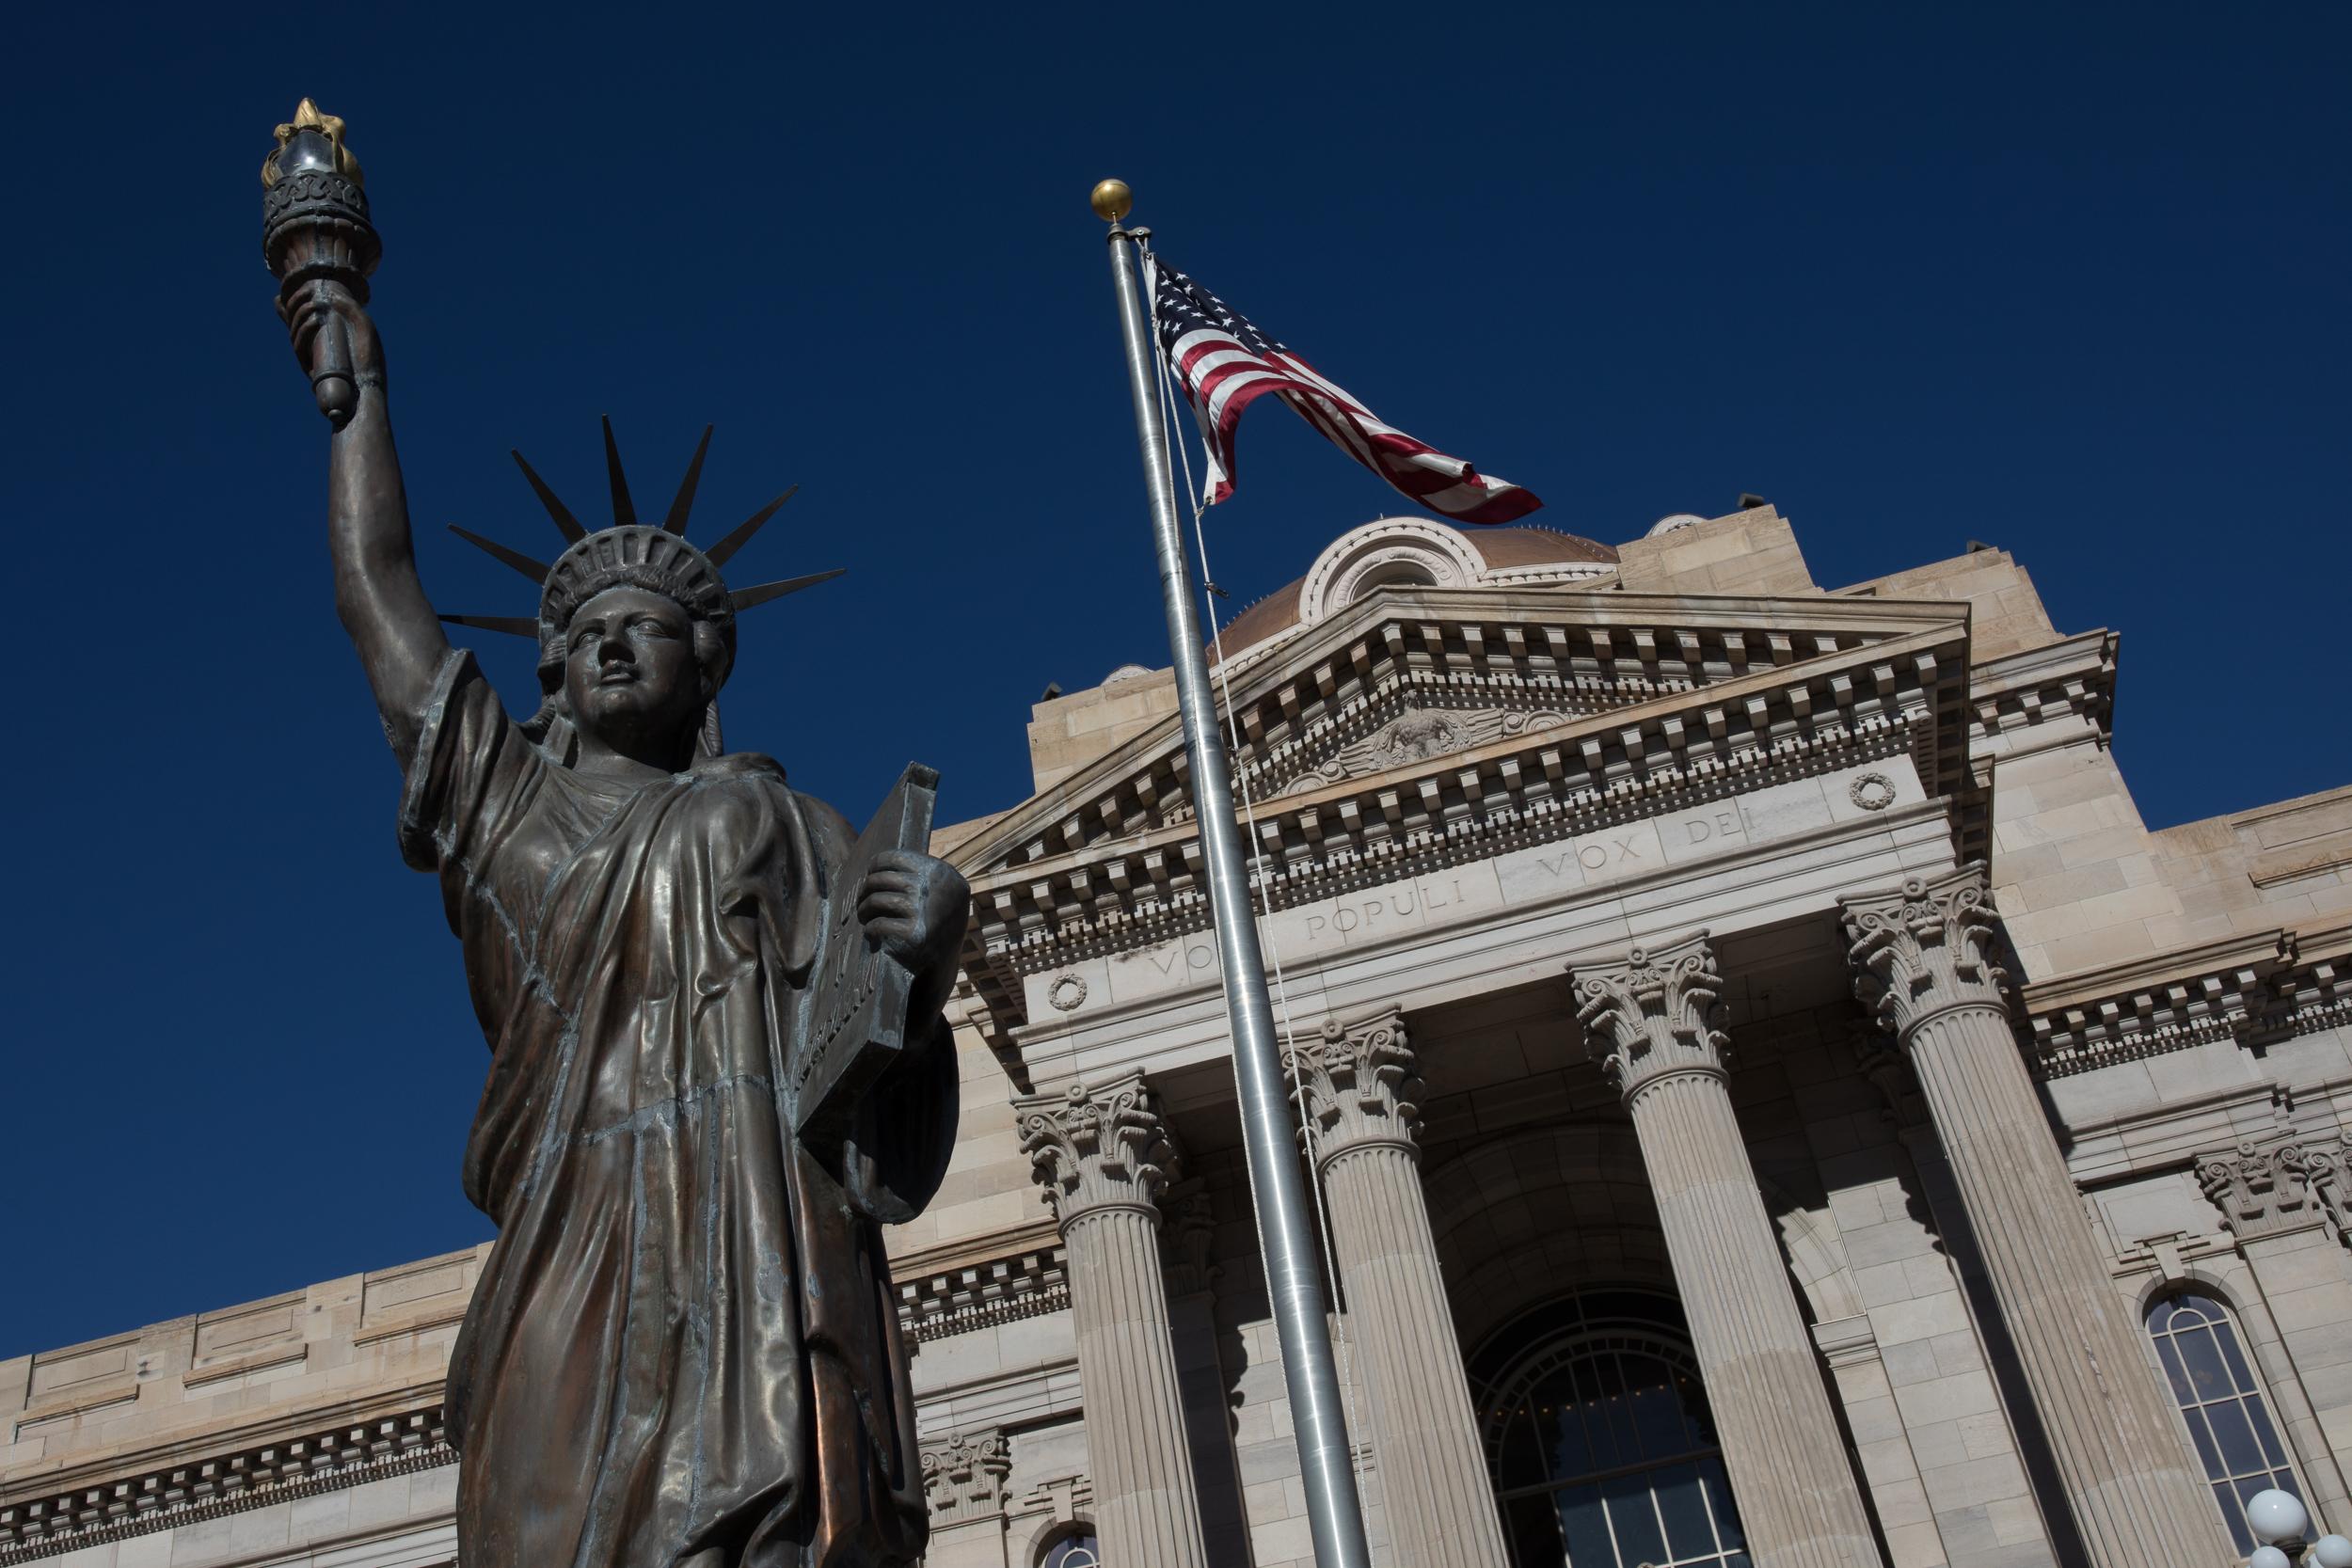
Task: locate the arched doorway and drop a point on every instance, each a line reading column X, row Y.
column 1598, row 1439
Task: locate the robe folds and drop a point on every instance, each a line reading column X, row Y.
column 684, row 1339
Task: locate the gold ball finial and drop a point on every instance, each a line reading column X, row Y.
column 1112, row 201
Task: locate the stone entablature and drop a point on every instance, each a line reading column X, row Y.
column 47, row 1523
column 2074, row 676
column 1099, row 865
column 1001, row 1283
column 329, row 1432
column 2267, row 985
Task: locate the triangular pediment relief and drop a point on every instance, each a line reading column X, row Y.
column 1427, row 729
column 1405, row 679
column 1424, row 728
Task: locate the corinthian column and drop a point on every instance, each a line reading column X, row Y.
column 1103, row 1160
column 1652, row 1022
column 1924, row 958
column 1358, row 1082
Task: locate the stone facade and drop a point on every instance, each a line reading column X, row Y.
column 1750, row 1013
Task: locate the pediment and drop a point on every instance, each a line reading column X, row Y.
column 1401, row 682
column 1422, row 728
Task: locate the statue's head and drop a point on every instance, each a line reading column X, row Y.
column 636, row 636
column 636, row 628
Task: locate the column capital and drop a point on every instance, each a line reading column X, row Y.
column 1097, row 1149
column 1654, row 1016
column 1924, row 947
column 963, row 1476
column 2267, row 1187
column 1358, row 1084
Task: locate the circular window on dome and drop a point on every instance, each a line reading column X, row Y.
column 1396, row 573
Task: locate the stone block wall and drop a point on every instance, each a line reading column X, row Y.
column 1753, row 552
column 1066, row 733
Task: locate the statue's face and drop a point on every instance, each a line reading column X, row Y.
column 630, row 667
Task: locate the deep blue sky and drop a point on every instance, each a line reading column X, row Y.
column 2071, row 282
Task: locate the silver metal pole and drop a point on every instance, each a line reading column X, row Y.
column 1275, row 1187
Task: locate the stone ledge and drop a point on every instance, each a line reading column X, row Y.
column 2268, row 985
column 51, row 1521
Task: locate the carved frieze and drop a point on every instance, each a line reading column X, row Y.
column 1417, row 734
column 972, row 1296
column 2251, row 988
column 1481, row 725
column 1654, row 1016
column 1930, row 945
column 1358, row 1084
column 36, row 1525
column 963, row 1476
column 2270, row 1186
column 1097, row 1149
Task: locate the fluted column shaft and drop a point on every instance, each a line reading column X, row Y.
column 1358, row 1084
column 1652, row 1020
column 1105, row 1159
column 1924, row 957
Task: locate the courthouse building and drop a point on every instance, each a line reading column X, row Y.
column 1772, row 1099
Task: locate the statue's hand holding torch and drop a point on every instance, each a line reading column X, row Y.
column 316, row 237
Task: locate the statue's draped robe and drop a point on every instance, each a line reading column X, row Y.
column 684, row 1339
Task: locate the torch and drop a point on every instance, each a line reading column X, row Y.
column 315, row 229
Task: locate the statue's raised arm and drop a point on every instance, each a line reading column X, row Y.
column 721, row 1059
column 377, row 592
column 317, row 239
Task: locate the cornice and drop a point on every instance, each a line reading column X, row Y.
column 2075, row 675
column 1026, row 1279
column 1549, row 642
column 52, row 1519
column 2264, row 986
column 1083, row 889
column 942, row 1291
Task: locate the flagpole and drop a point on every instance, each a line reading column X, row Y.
column 1294, row 1280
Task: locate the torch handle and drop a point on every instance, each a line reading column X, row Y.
column 331, row 380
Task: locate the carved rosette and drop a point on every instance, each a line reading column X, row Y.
column 1654, row 1016
column 1097, row 1149
column 2266, row 1188
column 1931, row 945
column 963, row 1476
column 1358, row 1085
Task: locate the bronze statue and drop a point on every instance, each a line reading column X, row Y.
column 718, row 1060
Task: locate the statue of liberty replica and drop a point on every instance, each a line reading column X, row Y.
column 718, row 1064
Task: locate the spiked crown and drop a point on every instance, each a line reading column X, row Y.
column 630, row 554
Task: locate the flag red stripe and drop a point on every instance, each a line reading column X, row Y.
column 1221, row 376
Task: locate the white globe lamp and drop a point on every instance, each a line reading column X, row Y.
column 2332, row 1551
column 2269, row 1557
column 2277, row 1515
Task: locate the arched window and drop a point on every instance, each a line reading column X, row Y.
column 1074, row 1550
column 2228, row 1419
column 1599, row 1442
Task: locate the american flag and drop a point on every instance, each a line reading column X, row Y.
column 1225, row 363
